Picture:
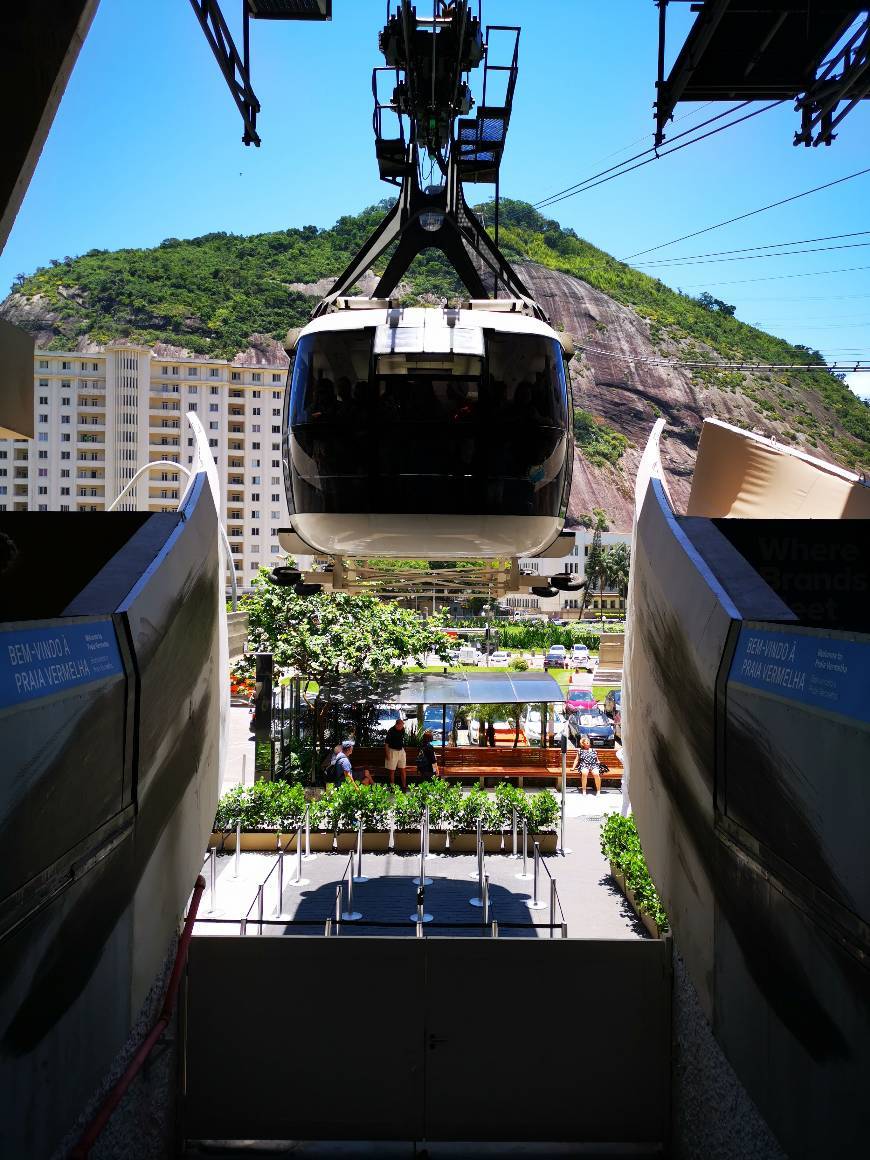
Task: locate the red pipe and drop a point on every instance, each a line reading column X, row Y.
column 103, row 1114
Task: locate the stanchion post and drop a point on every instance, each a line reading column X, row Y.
column 359, row 877
column 339, row 894
column 422, row 880
column 563, row 849
column 534, row 903
column 260, row 909
column 514, row 851
column 493, row 929
column 350, row 915
column 238, row 852
column 212, row 882
column 420, row 916
column 308, row 856
column 327, row 928
column 243, row 927
column 552, row 907
column 244, row 763
column 524, row 876
column 485, row 900
column 480, row 900
column 300, row 881
column 476, row 873
column 279, row 904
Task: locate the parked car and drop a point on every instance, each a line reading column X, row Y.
column 556, row 657
column 613, row 709
column 595, row 725
column 580, row 701
column 499, row 658
column 432, row 719
column 530, row 721
column 469, row 654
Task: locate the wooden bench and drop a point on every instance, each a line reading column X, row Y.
column 605, row 757
column 471, row 762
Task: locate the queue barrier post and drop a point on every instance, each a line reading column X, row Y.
column 260, row 909
column 478, row 848
column 420, row 916
column 534, row 903
column 563, row 849
column 525, row 875
column 299, row 880
column 514, row 851
column 421, row 879
column 350, row 915
column 308, row 856
column 552, row 907
column 359, row 876
column 479, row 899
column 238, row 850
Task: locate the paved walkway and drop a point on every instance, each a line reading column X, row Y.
column 591, row 905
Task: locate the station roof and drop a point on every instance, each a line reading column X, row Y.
column 474, row 688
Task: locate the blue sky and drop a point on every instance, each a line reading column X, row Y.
column 147, row 145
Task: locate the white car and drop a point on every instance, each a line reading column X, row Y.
column 499, row 658
column 474, row 729
column 530, row 722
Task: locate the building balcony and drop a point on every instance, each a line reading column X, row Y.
column 21, row 489
column 160, row 441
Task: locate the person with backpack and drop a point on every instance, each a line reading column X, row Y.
column 427, row 761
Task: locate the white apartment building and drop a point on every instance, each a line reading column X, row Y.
column 99, row 417
column 574, row 564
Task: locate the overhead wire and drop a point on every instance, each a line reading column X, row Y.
column 777, row 277
column 743, row 256
column 743, row 366
column 750, row 213
column 580, row 186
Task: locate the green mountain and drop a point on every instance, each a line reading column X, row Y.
column 210, row 295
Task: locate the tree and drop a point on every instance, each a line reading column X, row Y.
column 595, row 560
column 335, row 634
column 618, row 563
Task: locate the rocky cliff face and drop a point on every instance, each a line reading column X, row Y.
column 629, row 396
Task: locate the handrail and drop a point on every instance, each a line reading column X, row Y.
column 103, row 1114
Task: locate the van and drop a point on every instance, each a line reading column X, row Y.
column 469, row 654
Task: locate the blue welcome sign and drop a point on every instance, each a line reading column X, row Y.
column 822, row 672
column 45, row 660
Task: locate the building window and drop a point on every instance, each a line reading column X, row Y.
column 276, row 411
column 43, row 418
column 66, row 366
column 64, row 491
column 214, row 406
column 192, row 390
column 64, row 418
column 255, row 446
column 43, row 383
column 64, row 402
column 276, row 430
column 63, row 454
column 256, row 377
column 42, row 491
column 275, row 549
column 276, row 379
column 213, row 372
column 214, row 390
column 255, row 428
column 276, row 446
column 212, row 442
column 254, row 410
column 42, row 437
column 235, row 377
column 192, row 372
column 255, row 531
column 43, row 364
column 65, row 438
column 255, row 498
column 274, row 515
column 164, row 370
column 43, row 471
column 64, row 473
column 43, row 507
column 214, row 426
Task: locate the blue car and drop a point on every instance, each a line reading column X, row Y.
column 592, row 724
column 432, row 720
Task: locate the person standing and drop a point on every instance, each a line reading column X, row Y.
column 586, row 760
column 394, row 752
column 342, row 762
column 490, row 734
column 427, row 761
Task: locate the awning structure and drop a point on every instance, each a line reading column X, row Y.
column 473, row 688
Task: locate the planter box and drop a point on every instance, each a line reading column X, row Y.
column 376, row 842
column 407, row 841
column 646, row 919
column 264, row 841
column 548, row 840
column 465, row 842
column 437, row 842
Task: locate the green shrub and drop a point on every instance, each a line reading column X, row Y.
column 620, row 844
column 509, row 798
column 518, row 665
column 265, row 805
column 544, row 811
column 477, row 804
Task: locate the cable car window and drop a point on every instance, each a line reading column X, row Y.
column 330, row 376
column 527, row 379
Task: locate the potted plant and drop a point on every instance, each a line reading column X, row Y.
column 543, row 817
column 444, row 801
column 266, row 810
column 620, row 844
column 407, row 815
column 476, row 804
column 375, row 803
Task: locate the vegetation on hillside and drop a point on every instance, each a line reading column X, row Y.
column 210, row 294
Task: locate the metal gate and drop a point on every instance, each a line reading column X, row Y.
column 436, row 1038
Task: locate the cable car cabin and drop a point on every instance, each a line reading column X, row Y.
column 434, row 433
